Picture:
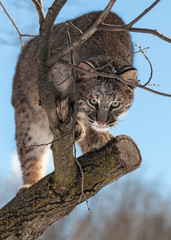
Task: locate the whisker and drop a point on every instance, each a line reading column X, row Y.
column 113, row 132
column 120, row 129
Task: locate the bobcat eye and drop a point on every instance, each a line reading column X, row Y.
column 115, row 104
column 93, row 102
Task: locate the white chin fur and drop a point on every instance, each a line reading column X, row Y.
column 99, row 128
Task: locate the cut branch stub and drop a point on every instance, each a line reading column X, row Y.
column 29, row 214
column 128, row 151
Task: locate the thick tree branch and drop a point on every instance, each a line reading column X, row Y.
column 48, row 96
column 31, row 212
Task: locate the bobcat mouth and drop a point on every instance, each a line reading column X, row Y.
column 99, row 128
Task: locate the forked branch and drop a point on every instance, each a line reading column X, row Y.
column 129, row 28
column 20, row 34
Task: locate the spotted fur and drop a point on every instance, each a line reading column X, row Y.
column 100, row 100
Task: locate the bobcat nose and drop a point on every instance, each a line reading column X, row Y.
column 101, row 122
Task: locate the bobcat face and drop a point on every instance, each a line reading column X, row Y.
column 101, row 101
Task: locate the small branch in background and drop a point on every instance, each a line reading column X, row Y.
column 151, row 74
column 40, row 10
column 20, row 34
column 143, row 14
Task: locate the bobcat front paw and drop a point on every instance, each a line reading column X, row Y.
column 79, row 130
column 99, row 140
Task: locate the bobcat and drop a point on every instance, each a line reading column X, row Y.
column 100, row 100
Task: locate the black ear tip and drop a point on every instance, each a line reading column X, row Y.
column 126, row 69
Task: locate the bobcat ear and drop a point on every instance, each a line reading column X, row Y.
column 130, row 75
column 87, row 66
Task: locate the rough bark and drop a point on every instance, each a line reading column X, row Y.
column 29, row 214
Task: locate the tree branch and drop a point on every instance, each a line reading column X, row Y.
column 151, row 67
column 55, row 57
column 65, row 169
column 114, row 76
column 20, row 34
column 40, row 10
column 115, row 28
column 31, row 212
column 128, row 27
column 143, row 13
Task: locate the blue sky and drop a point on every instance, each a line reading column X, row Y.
column 147, row 122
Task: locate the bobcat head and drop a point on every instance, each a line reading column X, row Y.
column 101, row 100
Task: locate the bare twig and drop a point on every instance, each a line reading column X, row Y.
column 21, row 40
column 28, row 35
column 143, row 14
column 115, row 28
column 20, row 34
column 153, row 84
column 40, row 10
column 53, row 141
column 69, row 40
column 73, row 26
column 82, row 184
column 55, row 57
column 144, row 50
column 151, row 31
column 115, row 77
column 151, row 74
